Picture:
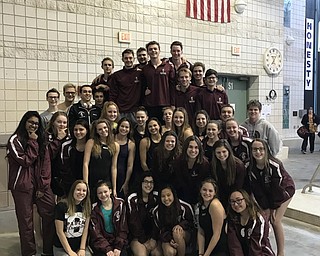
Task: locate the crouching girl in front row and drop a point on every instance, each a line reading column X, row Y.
column 248, row 227
column 174, row 222
column 72, row 217
column 108, row 227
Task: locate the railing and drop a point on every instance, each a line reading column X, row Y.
column 312, row 181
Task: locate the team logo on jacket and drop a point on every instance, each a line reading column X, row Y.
column 163, row 72
column 244, row 234
column 191, row 100
column 81, row 114
column 117, row 215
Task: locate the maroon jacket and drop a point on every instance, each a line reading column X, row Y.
column 26, row 171
column 271, row 188
column 188, row 181
column 140, row 220
column 125, row 89
column 161, row 82
column 211, row 101
column 257, row 234
column 187, row 100
column 100, row 240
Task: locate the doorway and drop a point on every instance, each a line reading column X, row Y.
column 237, row 91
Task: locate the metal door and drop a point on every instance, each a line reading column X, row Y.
column 236, row 89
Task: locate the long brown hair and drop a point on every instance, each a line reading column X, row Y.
column 251, row 204
column 71, row 203
column 231, row 162
column 165, row 157
column 50, row 128
column 267, row 158
column 185, row 146
column 180, row 131
column 96, row 149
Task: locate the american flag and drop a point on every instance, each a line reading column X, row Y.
column 210, row 10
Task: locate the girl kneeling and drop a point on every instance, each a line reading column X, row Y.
column 174, row 221
column 72, row 221
column 108, row 227
column 248, row 227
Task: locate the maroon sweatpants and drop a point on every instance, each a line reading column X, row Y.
column 24, row 201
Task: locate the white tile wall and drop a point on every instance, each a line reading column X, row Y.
column 47, row 43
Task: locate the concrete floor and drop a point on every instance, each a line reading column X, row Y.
column 301, row 239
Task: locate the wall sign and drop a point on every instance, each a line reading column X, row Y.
column 308, row 83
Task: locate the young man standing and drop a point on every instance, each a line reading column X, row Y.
column 258, row 127
column 197, row 74
column 186, row 93
column 101, row 81
column 52, row 97
column 176, row 58
column 84, row 109
column 125, row 87
column 211, row 98
column 142, row 57
column 227, row 111
column 158, row 82
column 69, row 93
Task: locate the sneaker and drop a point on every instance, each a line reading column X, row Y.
column 303, row 152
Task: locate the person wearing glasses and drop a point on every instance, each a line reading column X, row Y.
column 69, row 93
column 52, row 97
column 212, row 97
column 211, row 221
column 272, row 187
column 139, row 206
column 29, row 181
column 248, row 227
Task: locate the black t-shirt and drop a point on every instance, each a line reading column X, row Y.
column 72, row 225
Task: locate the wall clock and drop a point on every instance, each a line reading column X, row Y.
column 272, row 61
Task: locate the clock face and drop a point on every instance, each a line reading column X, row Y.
column 273, row 61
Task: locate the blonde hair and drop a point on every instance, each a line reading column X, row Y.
column 105, row 107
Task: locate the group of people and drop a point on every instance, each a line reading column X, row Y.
column 130, row 175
